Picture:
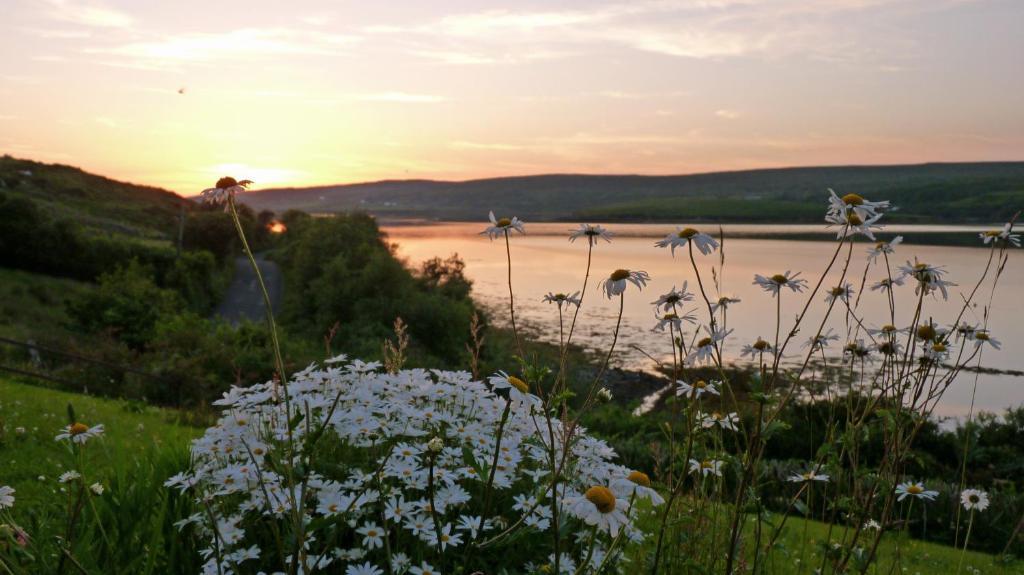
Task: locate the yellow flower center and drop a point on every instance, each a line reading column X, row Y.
column 79, row 428
column 670, row 316
column 602, row 498
column 504, row 223
column 981, row 336
column 854, row 219
column 619, row 275
column 915, row 489
column 780, row 279
column 706, row 464
column 704, row 342
column 640, row 478
column 687, row 233
column 887, row 348
column 926, row 332
column 701, row 384
column 853, row 200
column 717, row 416
column 760, row 345
column 939, row 348
column 226, row 182
column 879, row 245
column 838, row 291
column 519, row 384
column 973, row 498
column 994, row 233
column 888, row 328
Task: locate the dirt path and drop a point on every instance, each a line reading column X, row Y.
column 243, row 299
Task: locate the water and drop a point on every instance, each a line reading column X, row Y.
column 543, row 260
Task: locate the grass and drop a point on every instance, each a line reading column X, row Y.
column 33, row 304
column 799, row 549
column 127, row 529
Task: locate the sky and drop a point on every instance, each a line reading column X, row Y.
column 297, row 93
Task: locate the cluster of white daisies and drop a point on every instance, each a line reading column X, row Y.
column 400, row 476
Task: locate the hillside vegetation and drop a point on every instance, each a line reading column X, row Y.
column 954, row 193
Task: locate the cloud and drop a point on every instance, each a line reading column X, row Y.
column 727, row 114
column 95, row 15
column 402, row 98
column 494, row 146
column 245, row 43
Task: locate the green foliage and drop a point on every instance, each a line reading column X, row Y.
column 127, row 306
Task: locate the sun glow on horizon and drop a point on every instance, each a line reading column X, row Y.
column 326, row 94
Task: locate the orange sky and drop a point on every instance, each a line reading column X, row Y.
column 339, row 91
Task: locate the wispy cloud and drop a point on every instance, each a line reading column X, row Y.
column 727, row 114
column 87, row 14
column 402, row 98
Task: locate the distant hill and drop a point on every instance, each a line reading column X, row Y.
column 946, row 192
column 93, row 201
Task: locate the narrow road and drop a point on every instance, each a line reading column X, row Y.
column 243, row 299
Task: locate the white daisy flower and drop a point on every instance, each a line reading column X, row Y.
column 592, row 232
column 707, row 467
column 599, row 507
column 502, row 226
column 705, row 243
column 853, row 224
column 364, row 569
column 561, row 299
column 871, row 524
column 886, row 248
column 822, row 340
column 914, row 489
column 636, row 484
column 423, row 568
column 808, row 476
column 79, row 433
column 887, row 331
column 854, row 204
column 717, row 419
column 6, row 497
column 857, row 349
column 97, row 488
column 373, row 536
column 69, row 476
column 697, row 389
column 982, row 337
column 775, row 283
column 973, row 499
column 723, row 302
column 887, row 283
column 675, row 320
column 673, row 298
column 839, row 292
column 704, row 350
column 929, row 278
column 616, row 282
column 754, row 350
column 225, row 188
column 1002, row 235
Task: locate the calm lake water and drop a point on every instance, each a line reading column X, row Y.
column 543, row 260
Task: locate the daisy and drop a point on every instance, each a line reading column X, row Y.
column 889, row 347
column 756, row 349
column 447, row 537
column 809, row 475
column 616, row 282
column 697, row 389
column 96, row 488
column 372, row 535
column 69, row 476
column 856, row 349
column 704, row 350
column 965, row 331
column 80, row 433
column 723, row 302
column 822, row 340
column 839, row 292
column 400, row 562
column 592, row 232
column 560, row 299
column 981, row 337
column 856, row 205
column 995, row 236
column 973, row 499
column 705, row 243
column 872, row 524
column 637, row 484
column 674, row 320
column 929, row 278
column 853, row 224
column 716, row 419
column 599, row 507
column 913, row 489
column 886, row 284
column 424, row 568
column 884, row 248
column 364, row 569
column 6, row 497
column 707, row 467
column 775, row 283
column 502, row 226
column 937, row 352
column 224, row 189
column 672, row 298
column 887, row 331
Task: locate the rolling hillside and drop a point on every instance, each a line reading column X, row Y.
column 958, row 192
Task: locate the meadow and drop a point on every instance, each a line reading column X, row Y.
column 382, row 422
